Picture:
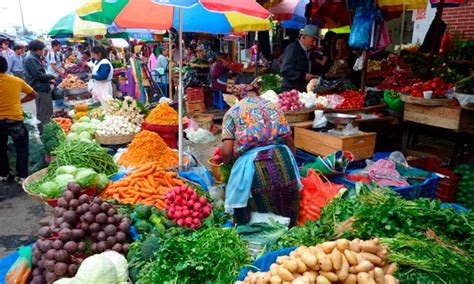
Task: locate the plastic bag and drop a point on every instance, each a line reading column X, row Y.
column 200, row 136
column 384, row 39
column 362, row 28
column 314, row 196
column 393, row 101
column 21, row 269
column 320, row 120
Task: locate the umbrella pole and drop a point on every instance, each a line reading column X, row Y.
column 180, row 89
column 170, row 70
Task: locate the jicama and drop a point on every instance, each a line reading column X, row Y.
column 147, row 185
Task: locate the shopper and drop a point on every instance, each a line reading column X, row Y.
column 40, row 81
column 53, row 59
column 100, row 84
column 219, row 72
column 296, row 64
column 11, row 122
column 326, row 60
column 16, row 62
column 264, row 177
column 7, row 52
column 162, row 65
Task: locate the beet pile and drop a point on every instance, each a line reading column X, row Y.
column 81, row 226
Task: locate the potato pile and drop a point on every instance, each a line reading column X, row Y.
column 340, row 261
column 72, row 82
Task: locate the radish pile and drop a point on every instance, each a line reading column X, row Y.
column 186, row 208
column 81, row 225
column 290, row 101
column 217, row 158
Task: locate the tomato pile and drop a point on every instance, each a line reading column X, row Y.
column 186, row 208
column 397, row 81
column 438, row 86
column 352, row 99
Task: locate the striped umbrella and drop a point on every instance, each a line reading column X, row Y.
column 290, row 13
column 208, row 17
column 72, row 26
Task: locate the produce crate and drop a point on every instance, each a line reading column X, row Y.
column 195, row 94
column 427, row 189
column 195, row 107
column 361, row 145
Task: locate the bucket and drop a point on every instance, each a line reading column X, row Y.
column 215, row 170
column 168, row 133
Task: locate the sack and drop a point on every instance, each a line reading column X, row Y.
column 57, row 94
column 314, row 196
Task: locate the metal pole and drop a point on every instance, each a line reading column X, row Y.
column 170, row 64
column 180, row 90
column 402, row 28
column 22, row 20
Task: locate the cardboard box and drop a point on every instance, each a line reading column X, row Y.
column 361, row 146
column 195, row 108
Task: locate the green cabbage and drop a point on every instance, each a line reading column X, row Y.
column 90, row 127
column 50, row 189
column 86, row 178
column 96, row 269
column 84, row 119
column 85, row 135
column 72, row 136
column 63, row 180
column 102, row 181
column 65, row 170
column 95, row 121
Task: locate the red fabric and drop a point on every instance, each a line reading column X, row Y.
column 247, row 7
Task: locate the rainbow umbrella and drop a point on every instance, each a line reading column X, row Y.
column 290, row 13
column 208, row 16
column 72, row 26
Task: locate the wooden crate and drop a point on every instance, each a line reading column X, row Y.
column 361, row 146
column 452, row 118
column 195, row 108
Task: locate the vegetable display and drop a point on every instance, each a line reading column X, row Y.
column 147, row 185
column 52, row 136
column 186, row 207
column 465, row 194
column 83, row 129
column 117, row 125
column 290, row 101
column 211, row 255
column 162, row 114
column 72, row 82
column 352, row 99
column 437, row 86
column 65, row 123
column 146, row 147
column 81, row 226
column 128, row 108
column 339, row 261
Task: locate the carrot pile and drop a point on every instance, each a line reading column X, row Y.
column 147, row 147
column 162, row 114
column 65, row 124
column 146, row 185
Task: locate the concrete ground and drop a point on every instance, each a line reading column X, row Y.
column 21, row 215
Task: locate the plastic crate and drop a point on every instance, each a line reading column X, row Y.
column 447, row 187
column 427, row 189
column 458, row 208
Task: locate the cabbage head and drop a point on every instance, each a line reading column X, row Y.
column 50, row 189
column 96, row 269
column 63, row 180
column 85, row 135
column 102, row 181
column 121, row 264
column 86, row 178
column 65, row 170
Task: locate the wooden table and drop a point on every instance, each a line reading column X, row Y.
column 455, row 123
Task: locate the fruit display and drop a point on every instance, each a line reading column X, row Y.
column 465, row 195
column 398, row 80
column 186, row 207
column 374, row 65
column 290, row 101
column 81, row 226
column 352, row 99
column 340, row 261
column 437, row 86
column 72, row 82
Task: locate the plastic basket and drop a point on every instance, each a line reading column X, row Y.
column 195, row 95
column 447, row 187
column 427, row 189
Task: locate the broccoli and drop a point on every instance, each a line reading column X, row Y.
column 150, row 246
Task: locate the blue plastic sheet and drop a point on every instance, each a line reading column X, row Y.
column 263, row 263
column 361, row 29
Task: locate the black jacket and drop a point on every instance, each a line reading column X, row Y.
column 35, row 74
column 294, row 66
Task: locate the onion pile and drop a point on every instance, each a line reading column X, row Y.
column 290, row 101
column 186, row 207
column 80, row 225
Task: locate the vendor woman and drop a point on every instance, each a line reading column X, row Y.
column 100, row 84
column 264, row 177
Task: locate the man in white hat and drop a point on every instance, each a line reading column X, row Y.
column 296, row 63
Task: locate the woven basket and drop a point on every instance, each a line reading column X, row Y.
column 300, row 115
column 114, row 140
column 32, row 178
column 215, row 170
